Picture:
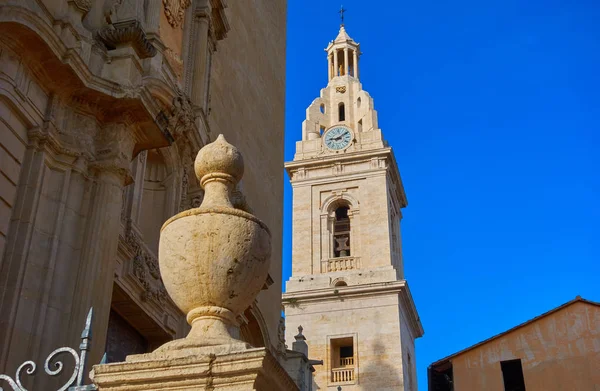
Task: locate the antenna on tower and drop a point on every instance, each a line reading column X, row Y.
column 341, row 12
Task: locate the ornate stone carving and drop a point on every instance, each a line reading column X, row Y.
column 183, row 204
column 281, row 347
column 128, row 32
column 175, row 11
column 145, row 269
column 182, row 115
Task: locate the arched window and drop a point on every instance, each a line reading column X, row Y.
column 341, row 283
column 322, row 108
column 341, row 233
column 341, row 112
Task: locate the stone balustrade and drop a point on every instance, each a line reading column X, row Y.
column 340, row 264
column 346, row 361
column 340, row 375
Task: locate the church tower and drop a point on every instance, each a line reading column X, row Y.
column 347, row 288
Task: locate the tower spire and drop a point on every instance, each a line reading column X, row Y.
column 341, row 12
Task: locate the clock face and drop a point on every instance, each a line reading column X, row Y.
column 338, row 138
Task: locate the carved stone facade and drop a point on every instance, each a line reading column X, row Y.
column 103, row 107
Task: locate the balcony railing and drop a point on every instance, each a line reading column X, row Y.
column 340, row 264
column 339, row 375
column 346, row 361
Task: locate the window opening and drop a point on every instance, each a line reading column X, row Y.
column 512, row 374
column 341, row 112
column 322, row 108
column 342, row 360
column 322, row 129
column 341, row 233
column 360, row 125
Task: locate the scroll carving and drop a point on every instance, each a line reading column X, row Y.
column 175, row 11
column 145, row 269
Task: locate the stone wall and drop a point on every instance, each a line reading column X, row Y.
column 557, row 352
column 247, row 106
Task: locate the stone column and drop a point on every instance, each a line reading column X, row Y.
column 355, row 62
column 153, row 12
column 329, row 73
column 114, row 146
column 346, row 61
column 335, row 63
column 199, row 40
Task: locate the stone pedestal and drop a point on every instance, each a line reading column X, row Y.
column 250, row 369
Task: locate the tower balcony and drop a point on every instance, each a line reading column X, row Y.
column 340, row 264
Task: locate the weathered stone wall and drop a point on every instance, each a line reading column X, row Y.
column 247, row 106
column 558, row 352
column 373, row 320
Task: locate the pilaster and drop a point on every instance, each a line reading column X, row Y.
column 95, row 278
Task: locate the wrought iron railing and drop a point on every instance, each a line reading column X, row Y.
column 54, row 367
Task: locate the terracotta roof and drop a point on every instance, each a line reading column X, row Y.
column 578, row 299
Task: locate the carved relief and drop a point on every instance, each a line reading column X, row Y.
column 182, row 115
column 145, row 269
column 175, row 11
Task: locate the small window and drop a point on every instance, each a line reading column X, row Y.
column 342, row 362
column 358, row 102
column 359, row 125
column 341, row 283
column 512, row 374
column 322, row 130
column 322, row 108
column 341, row 112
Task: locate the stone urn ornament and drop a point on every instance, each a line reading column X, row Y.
column 214, row 259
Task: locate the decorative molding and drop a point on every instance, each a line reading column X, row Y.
column 341, row 89
column 175, row 11
column 127, row 32
column 146, row 270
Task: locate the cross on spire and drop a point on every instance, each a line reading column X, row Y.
column 341, row 12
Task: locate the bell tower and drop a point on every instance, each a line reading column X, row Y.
column 347, row 287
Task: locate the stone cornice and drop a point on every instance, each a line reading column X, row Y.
column 349, row 158
column 357, row 291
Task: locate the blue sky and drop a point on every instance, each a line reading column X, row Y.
column 493, row 111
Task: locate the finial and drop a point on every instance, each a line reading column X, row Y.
column 341, row 12
column 87, row 330
column 218, row 163
column 300, row 336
